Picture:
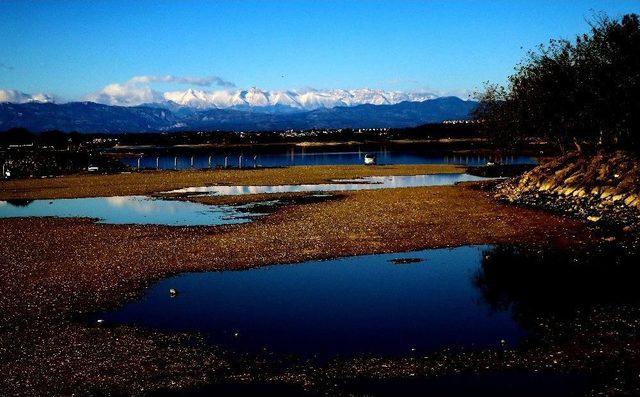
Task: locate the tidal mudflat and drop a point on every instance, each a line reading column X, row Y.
column 151, row 182
column 171, row 212
column 55, row 271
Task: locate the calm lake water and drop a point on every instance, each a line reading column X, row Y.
column 128, row 210
column 366, row 183
column 363, row 304
column 468, row 297
column 313, row 156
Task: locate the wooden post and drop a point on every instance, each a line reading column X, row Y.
column 191, row 161
column 209, row 161
column 240, row 161
column 175, row 163
column 139, row 163
column 157, row 162
column 226, row 161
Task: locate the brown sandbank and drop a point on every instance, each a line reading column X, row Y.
column 149, row 182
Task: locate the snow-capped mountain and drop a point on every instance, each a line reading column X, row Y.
column 130, row 108
column 94, row 117
column 303, row 100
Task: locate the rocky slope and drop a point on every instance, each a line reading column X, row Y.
column 603, row 187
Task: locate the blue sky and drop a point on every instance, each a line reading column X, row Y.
column 71, row 48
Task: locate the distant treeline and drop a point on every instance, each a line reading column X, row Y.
column 27, row 154
column 56, row 139
column 61, row 140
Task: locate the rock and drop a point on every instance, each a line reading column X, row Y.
column 598, row 186
column 617, row 197
column 630, row 199
column 606, row 193
column 402, row 261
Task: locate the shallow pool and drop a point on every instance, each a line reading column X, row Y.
column 362, row 304
column 365, row 183
column 129, row 210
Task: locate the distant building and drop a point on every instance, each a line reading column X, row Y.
column 461, row 122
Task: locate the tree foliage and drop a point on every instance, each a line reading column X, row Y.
column 584, row 92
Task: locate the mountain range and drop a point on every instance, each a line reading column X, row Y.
column 250, row 110
column 134, row 95
column 303, row 100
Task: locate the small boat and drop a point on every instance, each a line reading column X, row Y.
column 369, row 159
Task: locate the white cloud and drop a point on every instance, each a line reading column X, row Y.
column 125, row 95
column 200, row 81
column 15, row 96
column 137, row 90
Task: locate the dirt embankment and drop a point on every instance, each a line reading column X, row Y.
column 603, row 187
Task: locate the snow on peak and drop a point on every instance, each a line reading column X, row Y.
column 131, row 95
column 307, row 100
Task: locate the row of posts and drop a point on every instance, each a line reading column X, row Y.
column 226, row 162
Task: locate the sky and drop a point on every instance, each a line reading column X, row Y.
column 72, row 48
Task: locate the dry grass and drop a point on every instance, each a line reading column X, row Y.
column 148, row 182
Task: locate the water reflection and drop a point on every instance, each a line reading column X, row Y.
column 129, row 210
column 365, row 183
column 468, row 297
column 363, row 304
column 17, row 202
column 534, row 282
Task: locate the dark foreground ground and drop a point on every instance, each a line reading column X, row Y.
column 54, row 271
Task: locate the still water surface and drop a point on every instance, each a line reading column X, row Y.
column 128, row 210
column 146, row 210
column 365, row 183
column 303, row 156
column 363, row 304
